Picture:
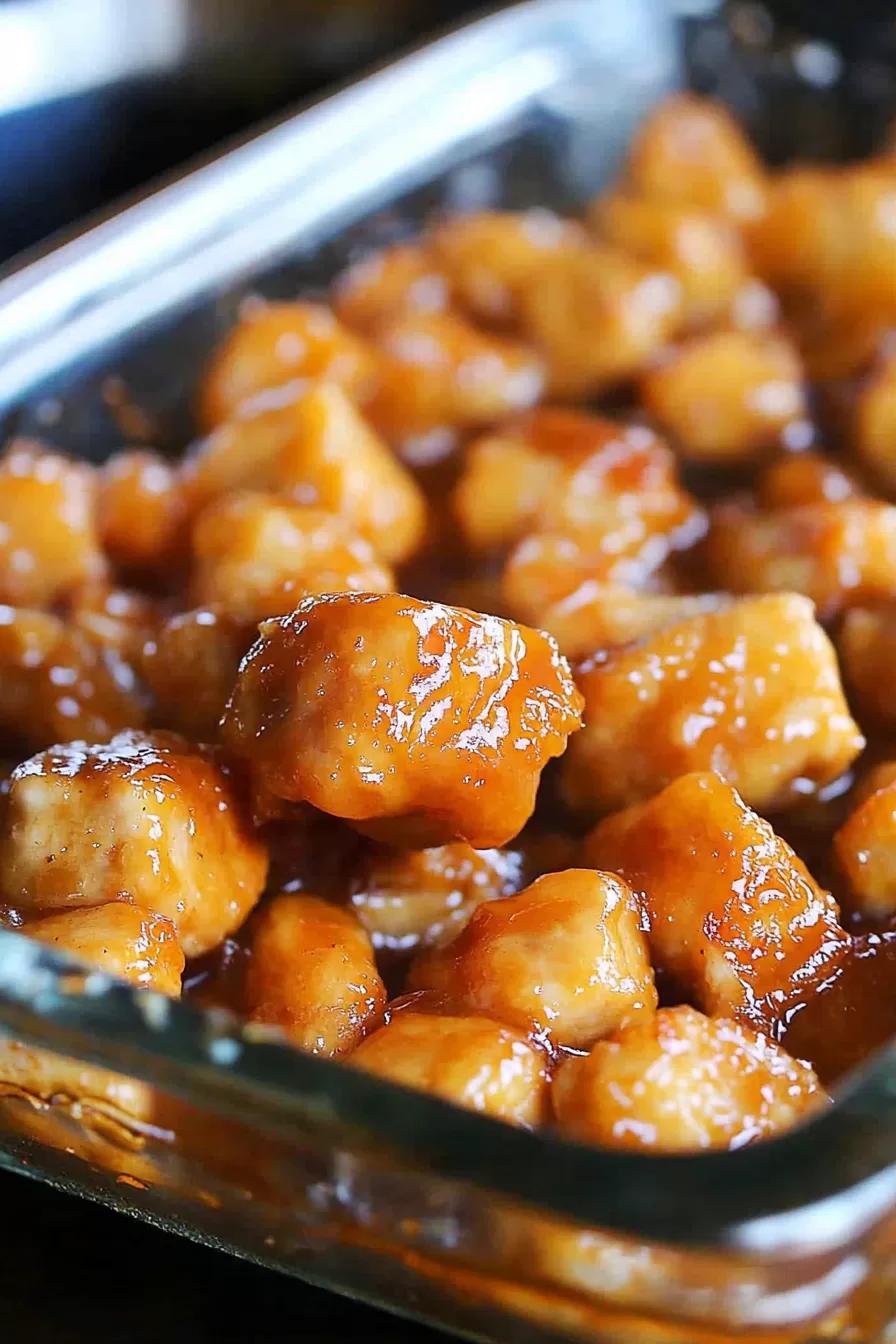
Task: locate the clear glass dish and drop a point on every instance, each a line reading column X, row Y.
column 186, row 1119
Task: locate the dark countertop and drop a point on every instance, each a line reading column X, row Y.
column 73, row 1273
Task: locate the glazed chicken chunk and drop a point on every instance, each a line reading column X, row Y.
column 865, row 849
column 417, row 722
column 475, row 1063
column 190, row 664
column 146, row 818
column 126, row 941
column 731, row 912
column 312, row 973
column 683, row 1082
column 564, row 962
column 751, row 691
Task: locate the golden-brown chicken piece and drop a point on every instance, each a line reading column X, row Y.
column 48, row 1077
column 690, row 149
column 141, row 512
column 421, row 723
column 865, row 852
column 751, row 691
column 126, row 941
column 730, row 396
column 404, row 278
column 190, row 665
column 58, row 683
column 315, row 450
column 683, row 1082
column 866, row 642
column 598, row 317
column 118, row 621
column 568, row 472
column 312, row 973
column 798, row 246
column 840, row 555
column 702, row 249
column 601, row 616
column 48, row 534
column 490, row 257
column 470, row 1061
column 255, row 556
column 873, row 429
column 565, row 961
column 146, row 817
column 439, row 373
column 732, row 913
column 804, row 478
column 276, row 344
column 408, row 899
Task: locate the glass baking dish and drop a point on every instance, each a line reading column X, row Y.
column 183, row 1117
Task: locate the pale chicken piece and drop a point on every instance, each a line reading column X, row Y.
column 145, row 817
column 470, row 1061
column 277, row 344
column 440, row 374
column 838, row 554
column 404, row 278
column 126, row 941
column 564, row 471
column 564, row 961
column 681, row 1083
column 865, row 848
column 141, row 512
column 690, row 150
column 312, row 972
column 729, row 397
column 600, row 616
column 190, row 665
column 489, row 257
column 701, row 248
column 57, row 682
column 866, row 642
column 598, row 317
column 94, row 1094
column 804, row 478
column 751, row 691
column 255, row 556
column 409, row 899
column 731, row 912
column 419, row 723
column 49, row 543
column 317, row 450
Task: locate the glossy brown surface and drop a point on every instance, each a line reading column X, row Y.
column 730, row 910
column 146, row 818
column 141, row 512
column 564, row 962
column 681, row 1082
column 439, row 728
column 122, row 940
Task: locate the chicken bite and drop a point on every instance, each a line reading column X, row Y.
column 599, row 616
column 145, row 817
column 255, row 556
column 598, row 317
column 420, row 723
column 56, row 682
column 690, row 149
column 404, row 278
column 683, row 1082
column 839, row 554
column 866, row 642
column 48, row 535
column 751, row 691
column 411, row 899
column 729, row 397
column 564, row 962
column 276, row 344
column 470, row 1061
column 804, row 478
column 126, row 941
column 865, row 851
column 731, row 912
column 312, row 972
column 489, row 257
column 564, row 471
column 190, row 665
column 141, row 512
column 873, row 429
